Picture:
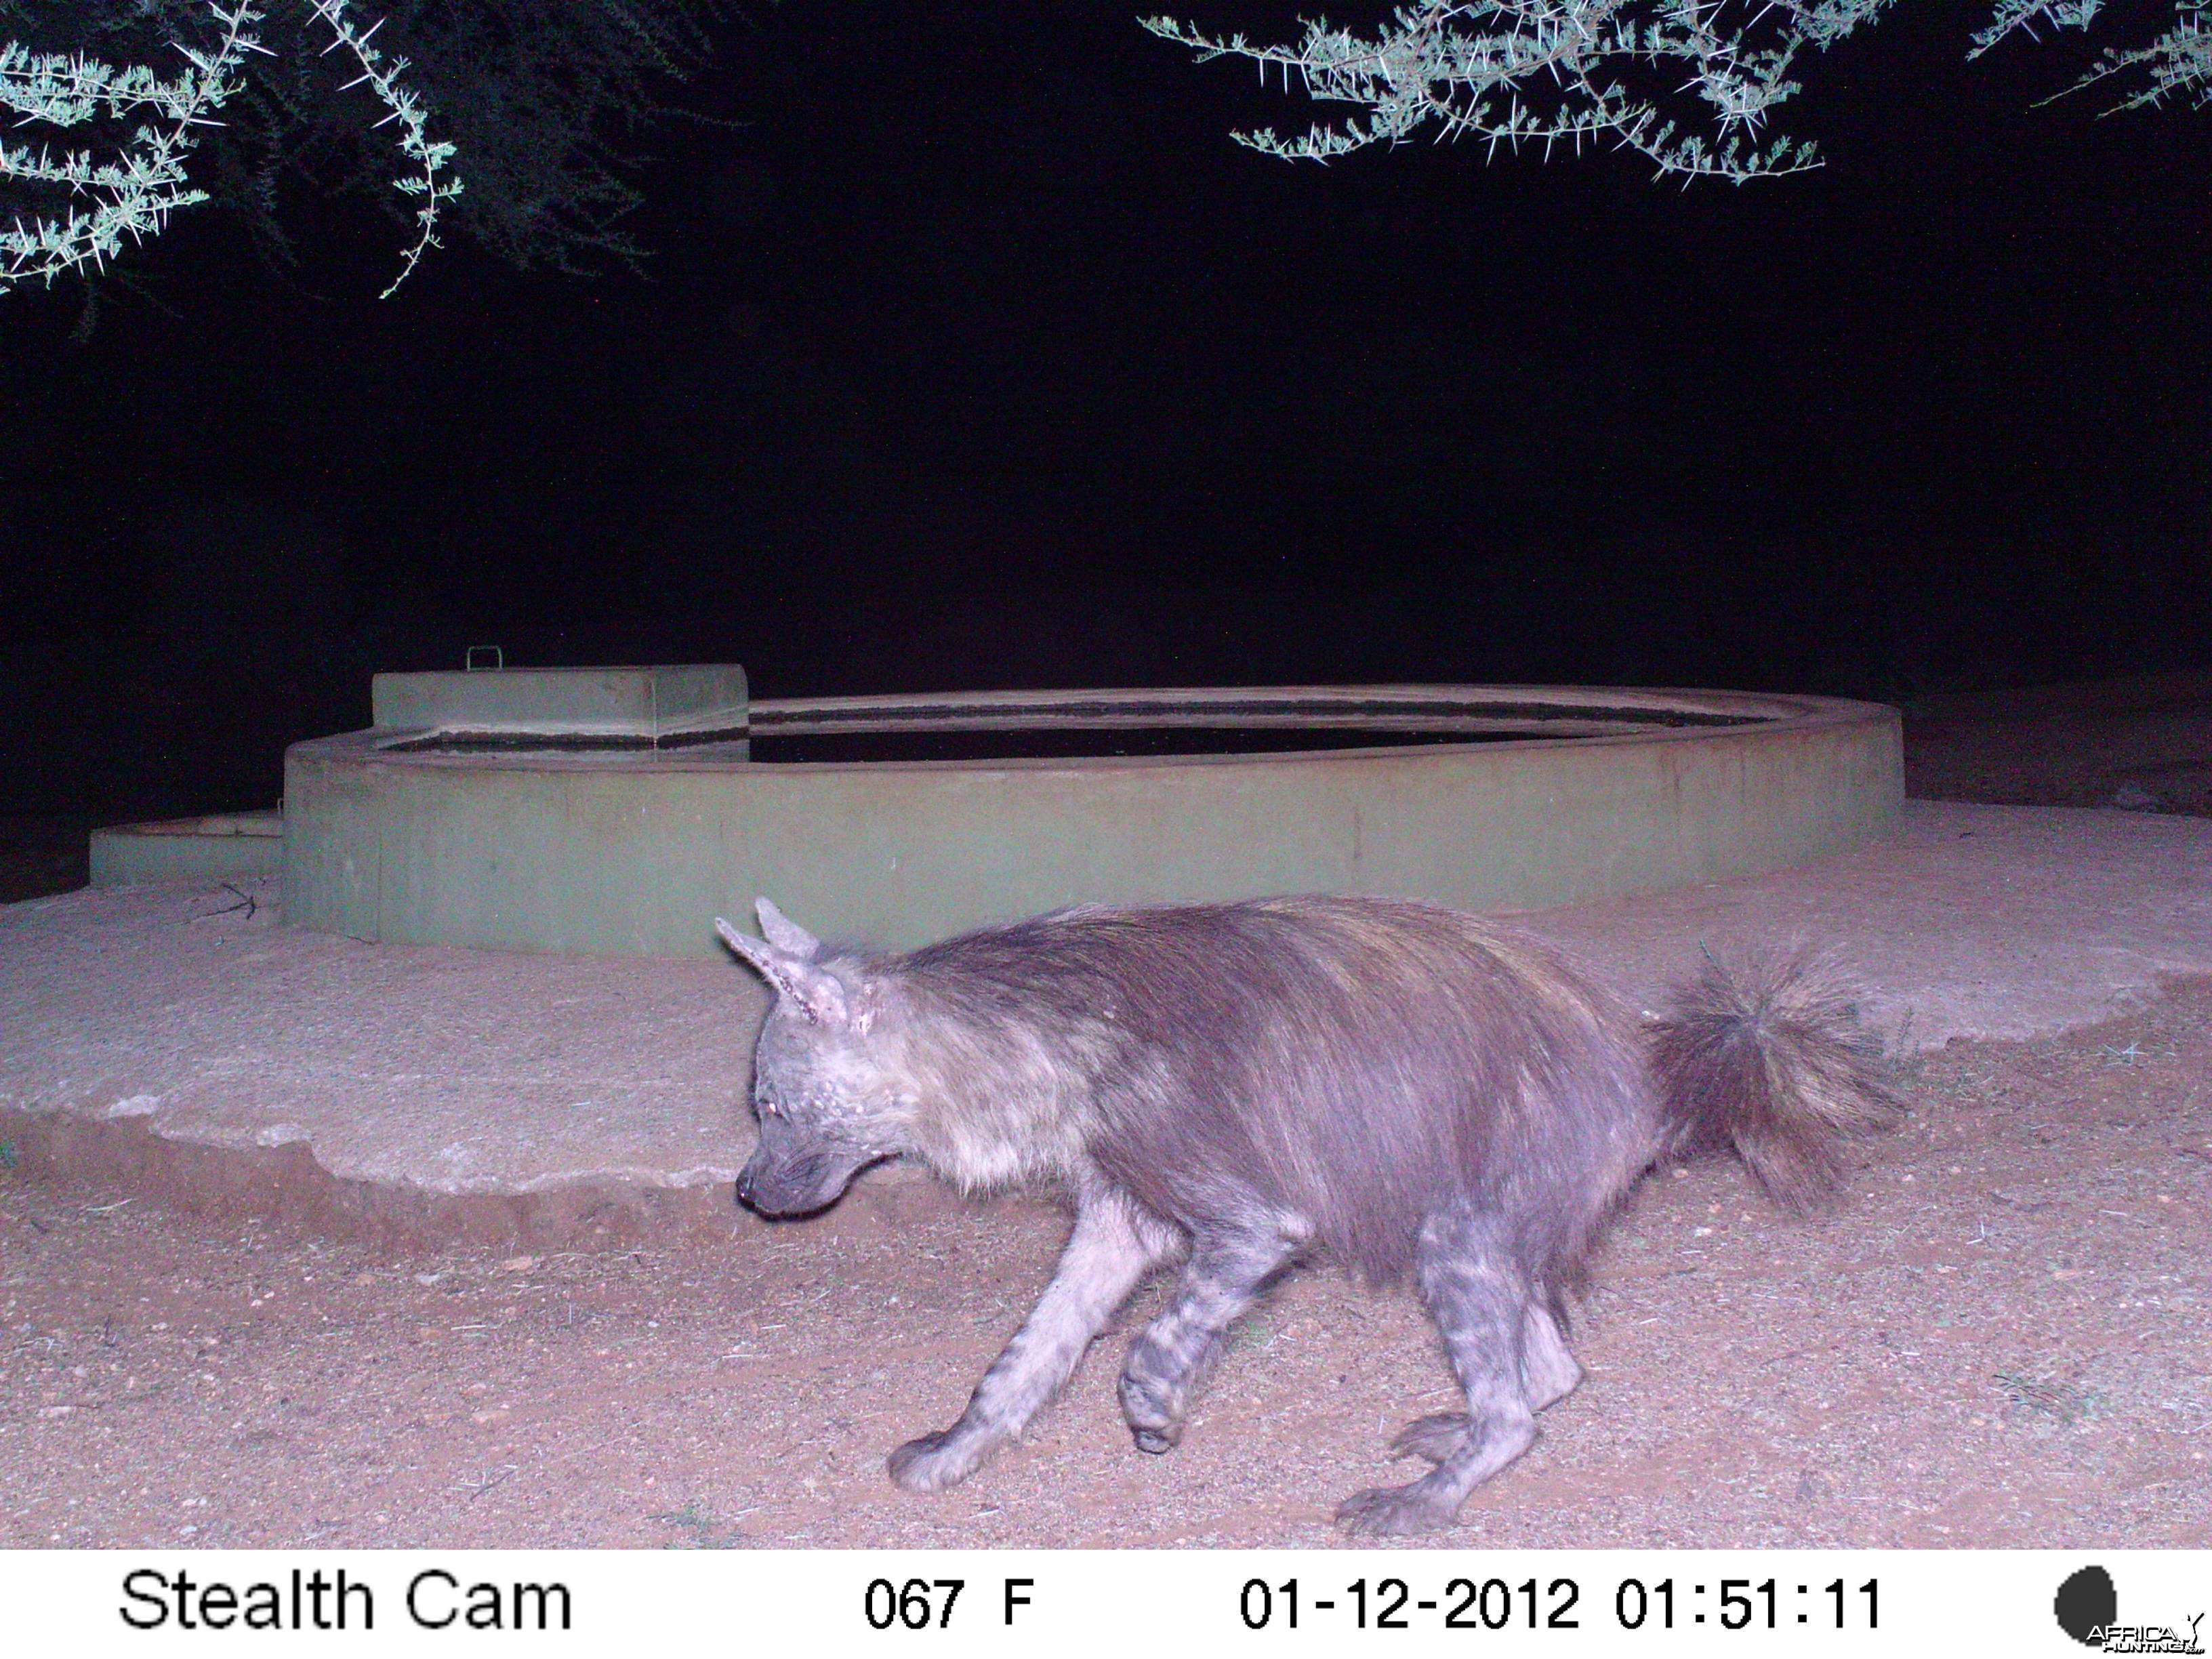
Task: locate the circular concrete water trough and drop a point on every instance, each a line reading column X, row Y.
column 902, row 820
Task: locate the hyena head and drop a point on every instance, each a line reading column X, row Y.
column 825, row 1087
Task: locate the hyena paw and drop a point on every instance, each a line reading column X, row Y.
column 1391, row 1511
column 936, row 1460
column 1157, row 1441
column 1155, row 1414
column 1435, row 1438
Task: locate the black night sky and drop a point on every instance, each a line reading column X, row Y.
column 975, row 354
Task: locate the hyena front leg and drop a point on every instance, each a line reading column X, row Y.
column 1508, row 1357
column 1167, row 1364
column 1112, row 1247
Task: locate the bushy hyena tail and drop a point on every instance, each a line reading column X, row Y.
column 1774, row 1063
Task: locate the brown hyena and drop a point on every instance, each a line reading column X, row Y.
column 1239, row 1086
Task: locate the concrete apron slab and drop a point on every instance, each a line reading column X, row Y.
column 172, row 1037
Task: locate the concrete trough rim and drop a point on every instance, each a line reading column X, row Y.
column 209, row 845
column 265, row 825
column 1709, row 714
column 634, row 851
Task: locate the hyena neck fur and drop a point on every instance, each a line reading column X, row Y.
column 984, row 1104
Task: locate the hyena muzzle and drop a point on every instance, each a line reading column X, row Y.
column 1239, row 1087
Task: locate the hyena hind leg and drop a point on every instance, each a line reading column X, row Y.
column 1482, row 1308
column 1169, row 1363
column 1113, row 1246
column 1548, row 1372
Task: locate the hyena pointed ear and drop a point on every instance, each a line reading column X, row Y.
column 815, row 992
column 737, row 941
column 785, row 933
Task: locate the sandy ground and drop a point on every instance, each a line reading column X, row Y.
column 2005, row 1341
column 2001, row 1339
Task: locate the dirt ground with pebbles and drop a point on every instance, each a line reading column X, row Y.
column 2004, row 1339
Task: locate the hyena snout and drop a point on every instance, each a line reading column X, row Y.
column 795, row 1181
